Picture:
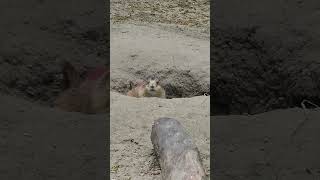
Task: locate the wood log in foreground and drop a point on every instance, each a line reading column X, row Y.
column 178, row 156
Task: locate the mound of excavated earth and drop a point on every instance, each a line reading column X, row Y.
column 180, row 60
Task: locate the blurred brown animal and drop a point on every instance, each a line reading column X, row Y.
column 89, row 95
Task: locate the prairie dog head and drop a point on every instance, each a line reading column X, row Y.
column 153, row 85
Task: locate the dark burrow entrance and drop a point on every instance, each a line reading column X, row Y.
column 177, row 83
column 251, row 73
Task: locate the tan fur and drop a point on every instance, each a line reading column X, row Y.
column 145, row 90
column 89, row 97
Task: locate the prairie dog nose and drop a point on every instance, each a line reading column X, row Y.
column 152, row 86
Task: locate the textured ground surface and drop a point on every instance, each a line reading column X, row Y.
column 189, row 13
column 284, row 69
column 180, row 61
column 132, row 155
column 280, row 144
column 168, row 39
column 265, row 57
column 36, row 141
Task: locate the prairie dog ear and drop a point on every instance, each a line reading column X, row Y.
column 131, row 85
column 157, row 80
column 140, row 82
column 70, row 75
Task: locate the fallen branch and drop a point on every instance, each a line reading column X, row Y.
column 301, row 124
column 179, row 158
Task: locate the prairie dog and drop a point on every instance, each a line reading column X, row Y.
column 152, row 89
column 88, row 95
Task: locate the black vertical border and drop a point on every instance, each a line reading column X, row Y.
column 107, row 18
column 211, row 90
column 31, row 159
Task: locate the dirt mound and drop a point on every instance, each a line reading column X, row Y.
column 34, row 72
column 177, row 83
column 180, row 62
column 279, row 75
column 36, row 81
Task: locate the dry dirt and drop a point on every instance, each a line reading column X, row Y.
column 181, row 62
column 189, row 13
column 30, row 79
column 280, row 144
column 37, row 141
column 169, row 40
column 132, row 155
column 265, row 57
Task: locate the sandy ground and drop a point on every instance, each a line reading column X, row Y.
column 265, row 55
column 168, row 40
column 266, row 58
column 30, row 78
column 33, row 46
column 188, row 13
column 132, row 155
column 272, row 145
column 37, row 141
column 181, row 61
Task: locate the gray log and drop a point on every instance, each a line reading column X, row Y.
column 178, row 156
